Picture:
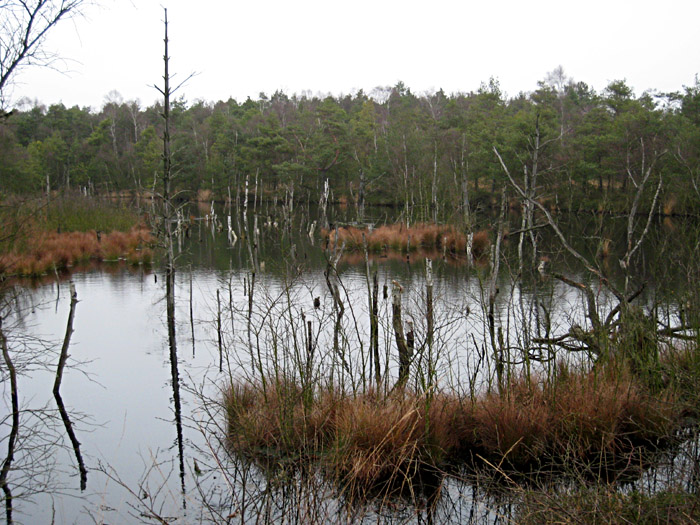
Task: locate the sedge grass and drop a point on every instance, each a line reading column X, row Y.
column 398, row 238
column 381, row 444
column 44, row 252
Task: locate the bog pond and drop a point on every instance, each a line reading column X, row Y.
column 152, row 429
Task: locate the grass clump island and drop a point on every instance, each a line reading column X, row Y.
column 599, row 425
column 442, row 238
column 70, row 231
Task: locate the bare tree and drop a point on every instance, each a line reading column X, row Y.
column 618, row 321
column 24, row 26
column 169, row 217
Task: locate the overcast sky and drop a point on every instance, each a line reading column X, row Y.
column 239, row 49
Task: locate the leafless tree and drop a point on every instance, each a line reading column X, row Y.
column 24, row 26
column 614, row 323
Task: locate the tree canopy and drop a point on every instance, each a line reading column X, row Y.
column 431, row 154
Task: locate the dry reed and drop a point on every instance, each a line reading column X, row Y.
column 44, row 252
column 370, row 442
column 398, row 238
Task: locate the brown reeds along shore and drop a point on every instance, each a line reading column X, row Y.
column 598, row 420
column 41, row 252
column 398, row 238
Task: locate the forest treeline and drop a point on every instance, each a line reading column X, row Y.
column 430, row 154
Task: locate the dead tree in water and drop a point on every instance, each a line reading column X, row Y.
column 331, row 275
column 57, row 386
column 619, row 321
column 373, row 295
column 401, row 344
column 14, row 430
column 323, row 205
column 430, row 318
column 495, row 333
column 168, row 214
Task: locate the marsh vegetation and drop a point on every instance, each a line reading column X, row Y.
column 396, row 308
column 296, row 404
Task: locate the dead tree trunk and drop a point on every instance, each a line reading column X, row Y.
column 430, row 317
column 374, row 328
column 331, row 275
column 496, row 342
column 14, row 429
column 361, row 198
column 464, row 169
column 401, row 344
column 372, row 294
column 323, row 205
column 167, row 217
column 218, row 331
column 57, row 386
column 434, row 185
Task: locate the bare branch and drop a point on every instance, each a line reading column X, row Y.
column 24, row 25
column 646, row 228
column 590, row 299
column 552, row 223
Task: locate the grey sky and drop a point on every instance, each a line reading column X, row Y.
column 239, row 49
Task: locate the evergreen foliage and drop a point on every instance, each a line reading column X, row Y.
column 431, row 154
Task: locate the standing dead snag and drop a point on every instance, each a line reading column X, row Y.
column 218, row 331
column 497, row 342
column 331, row 275
column 430, row 318
column 57, row 386
column 401, row 344
column 168, row 215
column 323, row 205
column 373, row 294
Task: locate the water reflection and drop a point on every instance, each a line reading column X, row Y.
column 57, row 389
column 14, row 429
column 128, row 384
column 35, row 433
column 175, row 376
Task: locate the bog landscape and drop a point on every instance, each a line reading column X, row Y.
column 374, row 308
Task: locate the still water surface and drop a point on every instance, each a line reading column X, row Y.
column 119, row 389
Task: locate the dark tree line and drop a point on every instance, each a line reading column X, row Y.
column 430, row 155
